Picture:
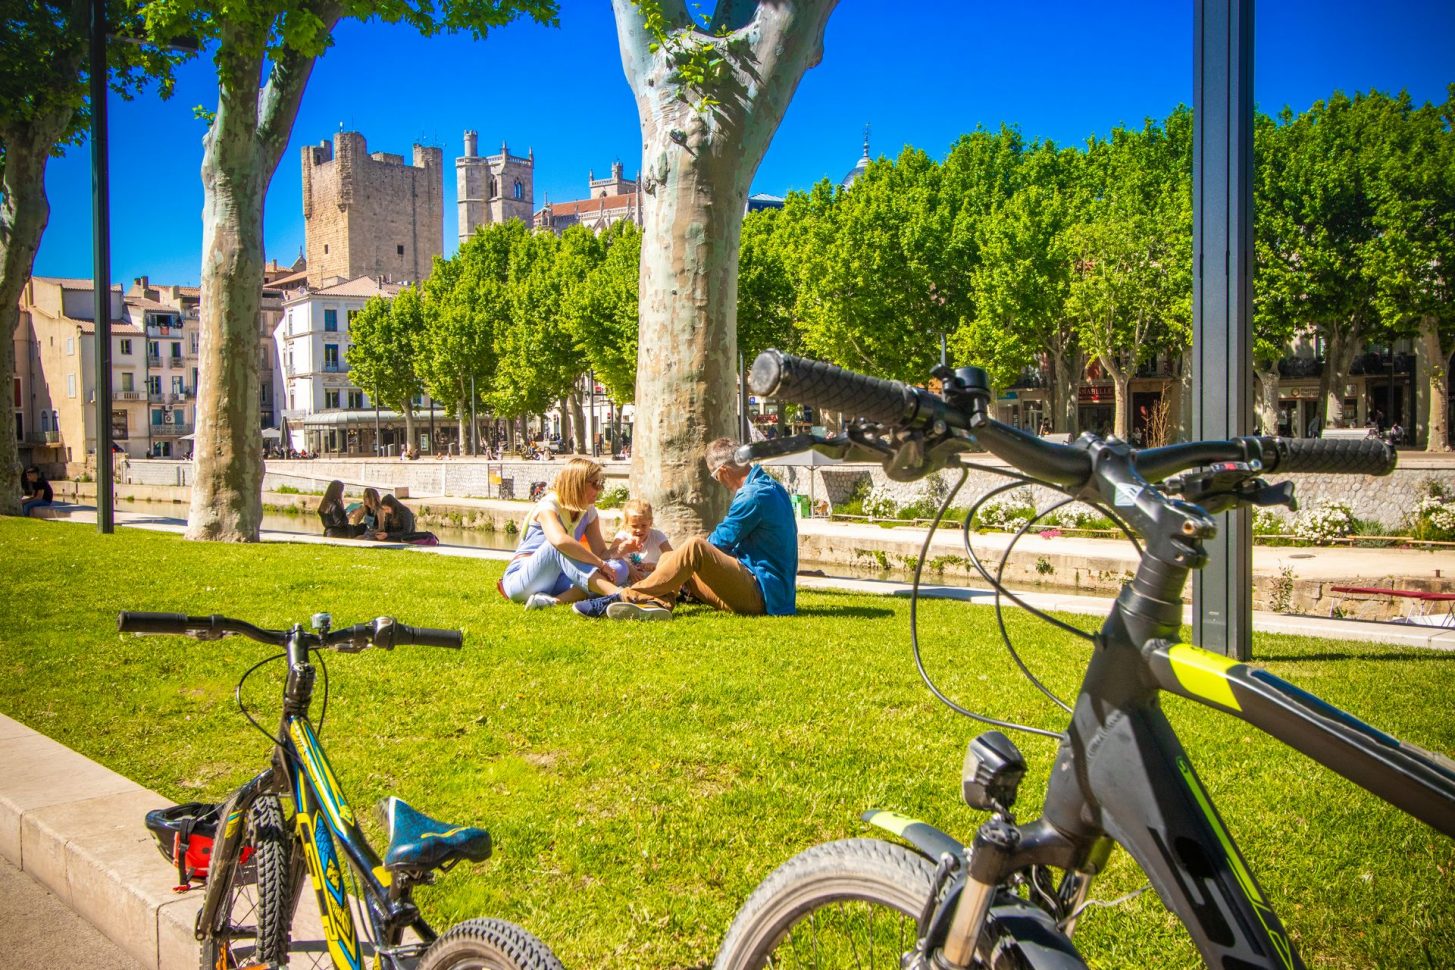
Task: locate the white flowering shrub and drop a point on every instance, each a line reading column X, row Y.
column 880, row 503
column 1268, row 522
column 925, row 501
column 1007, row 516
column 1433, row 518
column 1319, row 525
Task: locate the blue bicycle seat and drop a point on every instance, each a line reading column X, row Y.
column 419, row 843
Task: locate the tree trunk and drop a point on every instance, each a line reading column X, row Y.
column 408, row 423
column 578, row 422
column 1063, row 391
column 227, row 493
column 241, row 151
column 1437, row 387
column 1338, row 358
column 462, row 411
column 1266, row 407
column 24, row 212
column 1121, row 380
column 696, row 170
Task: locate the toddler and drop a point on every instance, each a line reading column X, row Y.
column 637, row 541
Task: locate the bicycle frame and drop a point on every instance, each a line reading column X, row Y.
column 1122, row 773
column 323, row 821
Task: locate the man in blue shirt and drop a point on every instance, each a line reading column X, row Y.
column 746, row 566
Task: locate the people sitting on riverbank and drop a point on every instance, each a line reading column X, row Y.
column 747, row 565
column 35, row 491
column 396, row 521
column 365, row 515
column 562, row 557
column 335, row 517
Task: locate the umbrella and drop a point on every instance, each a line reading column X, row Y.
column 272, row 434
column 810, row 459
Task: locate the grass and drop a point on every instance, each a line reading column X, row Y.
column 641, row 780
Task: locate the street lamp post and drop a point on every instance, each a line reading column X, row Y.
column 101, row 284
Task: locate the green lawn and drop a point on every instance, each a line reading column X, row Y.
column 641, row 779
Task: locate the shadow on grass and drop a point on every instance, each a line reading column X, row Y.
column 859, row 612
column 1448, row 656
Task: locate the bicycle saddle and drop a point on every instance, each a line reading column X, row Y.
column 420, row 843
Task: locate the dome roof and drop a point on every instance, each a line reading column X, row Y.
column 860, row 166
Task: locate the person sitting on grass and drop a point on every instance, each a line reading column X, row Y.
column 366, row 514
column 396, row 521
column 636, row 540
column 562, row 555
column 746, row 566
column 35, row 491
column 334, row 516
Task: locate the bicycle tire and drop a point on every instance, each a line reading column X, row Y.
column 256, row 897
column 488, row 944
column 870, row 874
column 837, row 886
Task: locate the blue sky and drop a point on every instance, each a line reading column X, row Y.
column 921, row 76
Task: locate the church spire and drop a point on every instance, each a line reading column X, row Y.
column 866, row 139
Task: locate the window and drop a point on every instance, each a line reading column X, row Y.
column 128, row 381
column 154, row 348
column 126, row 346
column 178, row 387
column 45, row 420
column 330, row 321
column 356, row 399
column 519, row 192
column 352, row 314
column 399, row 249
column 330, row 398
column 17, row 392
column 70, row 385
column 71, row 348
column 330, row 356
column 154, row 384
column 325, row 249
column 176, row 350
column 156, row 417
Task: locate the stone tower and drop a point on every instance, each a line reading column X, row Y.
column 371, row 214
column 493, row 188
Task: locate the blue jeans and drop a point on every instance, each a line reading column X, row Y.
column 33, row 503
column 549, row 570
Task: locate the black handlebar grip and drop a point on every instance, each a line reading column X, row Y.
column 426, row 637
column 779, row 375
column 1333, row 456
column 175, row 623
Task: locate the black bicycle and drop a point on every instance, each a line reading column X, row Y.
column 1011, row 899
column 251, row 914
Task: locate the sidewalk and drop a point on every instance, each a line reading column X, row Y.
column 74, row 827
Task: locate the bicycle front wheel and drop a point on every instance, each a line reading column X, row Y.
column 844, row 904
column 253, row 928
column 488, row 944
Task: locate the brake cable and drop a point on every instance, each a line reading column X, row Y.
column 914, row 627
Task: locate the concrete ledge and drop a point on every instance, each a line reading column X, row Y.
column 76, row 828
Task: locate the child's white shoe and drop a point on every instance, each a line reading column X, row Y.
column 540, row 601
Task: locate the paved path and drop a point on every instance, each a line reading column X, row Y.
column 39, row 932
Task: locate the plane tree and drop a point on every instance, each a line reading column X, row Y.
column 264, row 52
column 710, row 95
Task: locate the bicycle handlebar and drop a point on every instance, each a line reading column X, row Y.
column 898, row 406
column 382, row 632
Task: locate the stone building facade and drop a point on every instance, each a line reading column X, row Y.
column 493, row 188
column 371, row 214
column 608, row 200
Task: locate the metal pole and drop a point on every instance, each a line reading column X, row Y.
column 101, row 284
column 378, row 432
column 591, row 420
column 743, row 433
column 474, row 432
column 1222, row 298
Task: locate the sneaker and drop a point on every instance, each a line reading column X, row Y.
column 637, row 611
column 595, row 607
column 541, row 601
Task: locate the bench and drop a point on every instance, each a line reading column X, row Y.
column 1424, row 604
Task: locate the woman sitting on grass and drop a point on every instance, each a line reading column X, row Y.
column 561, row 553
column 334, row 516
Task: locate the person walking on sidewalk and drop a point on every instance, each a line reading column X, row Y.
column 746, row 566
